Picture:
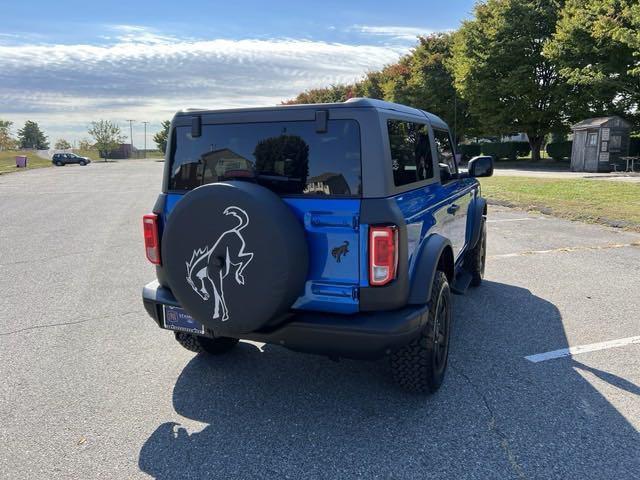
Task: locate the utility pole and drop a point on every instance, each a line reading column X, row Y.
column 145, row 139
column 131, row 135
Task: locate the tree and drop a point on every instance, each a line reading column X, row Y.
column 331, row 94
column 107, row 136
column 431, row 83
column 30, row 136
column 7, row 142
column 597, row 49
column 161, row 137
column 62, row 144
column 421, row 79
column 500, row 69
column 85, row 144
column 370, row 86
column 284, row 155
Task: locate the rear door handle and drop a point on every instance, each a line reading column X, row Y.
column 453, row 209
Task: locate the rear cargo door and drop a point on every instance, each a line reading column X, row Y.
column 311, row 160
column 333, row 239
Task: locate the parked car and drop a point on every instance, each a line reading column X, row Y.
column 61, row 159
column 336, row 229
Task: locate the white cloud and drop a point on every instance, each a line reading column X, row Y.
column 143, row 74
column 395, row 32
column 139, row 34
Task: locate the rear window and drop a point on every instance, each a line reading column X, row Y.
column 289, row 158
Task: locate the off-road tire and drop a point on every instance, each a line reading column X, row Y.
column 212, row 346
column 415, row 366
column 476, row 258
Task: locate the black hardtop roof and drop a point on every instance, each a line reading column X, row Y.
column 351, row 103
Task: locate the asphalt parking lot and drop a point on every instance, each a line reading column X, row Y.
column 91, row 388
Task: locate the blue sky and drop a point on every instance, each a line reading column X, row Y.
column 67, row 63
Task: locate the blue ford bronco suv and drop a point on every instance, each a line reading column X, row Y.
column 337, row 229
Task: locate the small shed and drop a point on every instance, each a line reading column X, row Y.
column 598, row 144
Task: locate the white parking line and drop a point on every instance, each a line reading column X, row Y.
column 512, row 219
column 571, row 351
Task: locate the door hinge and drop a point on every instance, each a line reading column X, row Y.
column 355, row 222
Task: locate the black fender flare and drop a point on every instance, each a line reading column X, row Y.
column 478, row 212
column 427, row 261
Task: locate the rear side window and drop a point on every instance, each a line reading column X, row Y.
column 410, row 152
column 289, row 158
column 445, row 150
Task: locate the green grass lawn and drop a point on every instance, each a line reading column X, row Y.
column 595, row 201
column 8, row 161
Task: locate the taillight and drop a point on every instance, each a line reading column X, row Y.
column 151, row 243
column 383, row 254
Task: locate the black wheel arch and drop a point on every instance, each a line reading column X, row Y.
column 478, row 212
column 435, row 254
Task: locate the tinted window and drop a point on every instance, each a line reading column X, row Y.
column 445, row 150
column 410, row 152
column 287, row 157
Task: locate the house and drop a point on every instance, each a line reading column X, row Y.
column 327, row 184
column 123, row 150
column 598, row 144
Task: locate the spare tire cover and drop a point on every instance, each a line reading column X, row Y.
column 235, row 256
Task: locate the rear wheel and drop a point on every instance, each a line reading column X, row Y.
column 212, row 346
column 420, row 366
column 59, row 164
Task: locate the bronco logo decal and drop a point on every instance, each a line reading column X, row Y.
column 209, row 269
column 340, row 251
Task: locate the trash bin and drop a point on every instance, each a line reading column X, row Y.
column 21, row 161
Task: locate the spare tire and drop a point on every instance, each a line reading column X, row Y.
column 235, row 256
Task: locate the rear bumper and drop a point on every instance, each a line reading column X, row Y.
column 363, row 335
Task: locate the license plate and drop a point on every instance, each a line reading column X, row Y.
column 175, row 318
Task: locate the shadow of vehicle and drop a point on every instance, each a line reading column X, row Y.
column 278, row 414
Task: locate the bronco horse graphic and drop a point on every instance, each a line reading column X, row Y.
column 207, row 268
column 338, row 252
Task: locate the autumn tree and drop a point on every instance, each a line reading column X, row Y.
column 331, row 94
column 421, row 79
column 7, row 142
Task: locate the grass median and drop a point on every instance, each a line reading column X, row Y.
column 8, row 161
column 596, row 201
